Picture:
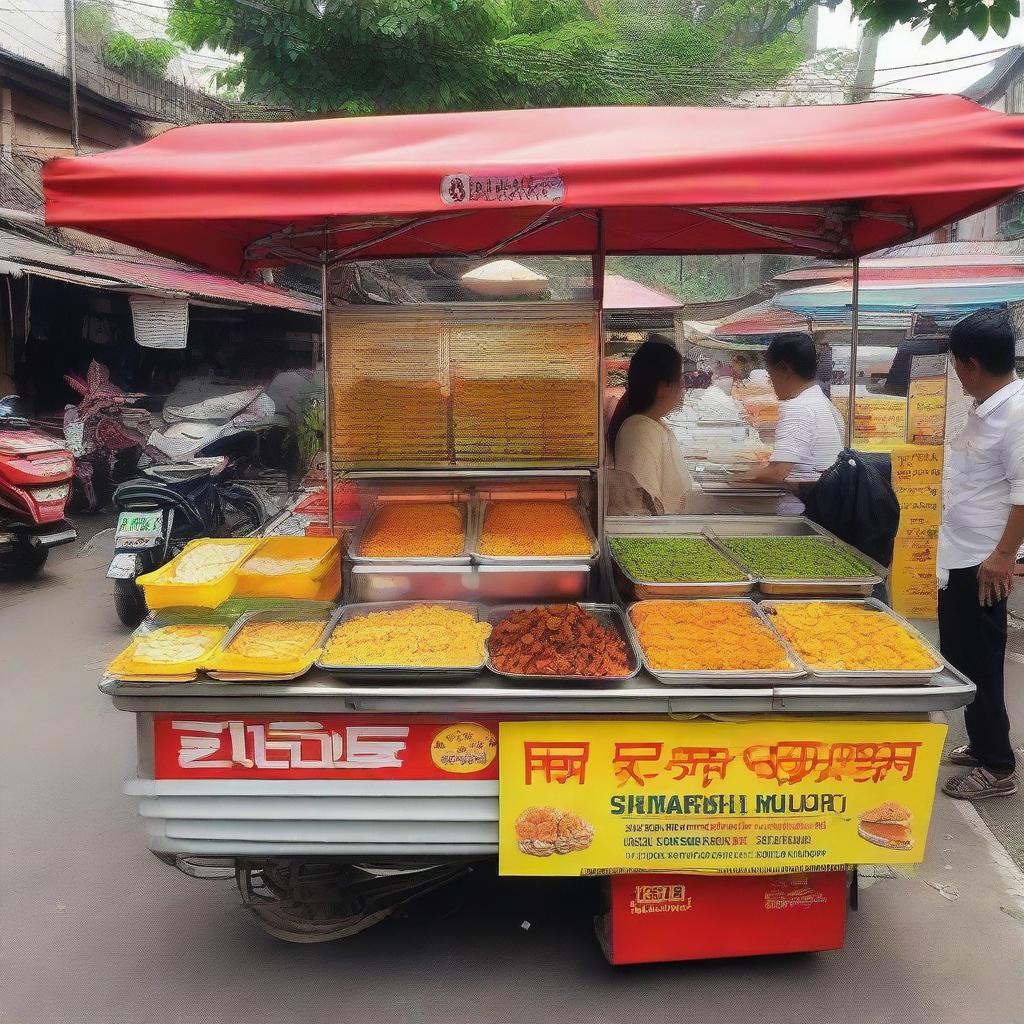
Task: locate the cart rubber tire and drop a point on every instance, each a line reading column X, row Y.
column 129, row 602
column 23, row 562
column 289, row 924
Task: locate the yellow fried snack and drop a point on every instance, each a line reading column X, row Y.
column 206, row 562
column 266, row 565
column 275, row 640
column 420, row 530
column 696, row 636
column 537, row 528
column 845, row 638
column 421, row 636
column 178, row 644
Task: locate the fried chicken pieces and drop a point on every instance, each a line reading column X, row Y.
column 542, row 831
column 557, row 640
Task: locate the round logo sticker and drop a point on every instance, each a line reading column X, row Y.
column 463, row 748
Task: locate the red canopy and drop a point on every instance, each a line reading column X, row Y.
column 824, row 181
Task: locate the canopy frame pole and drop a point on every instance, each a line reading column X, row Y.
column 809, row 239
column 325, row 347
column 597, row 263
column 854, row 343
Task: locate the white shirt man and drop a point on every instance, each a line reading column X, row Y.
column 981, row 534
column 983, row 477
column 809, row 434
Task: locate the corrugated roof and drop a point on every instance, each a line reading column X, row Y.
column 764, row 318
column 37, row 254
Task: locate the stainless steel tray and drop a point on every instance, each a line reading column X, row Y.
column 806, row 586
column 355, row 548
column 607, row 614
column 730, row 677
column 562, row 581
column 588, row 559
column 880, row 677
column 397, row 673
column 295, row 612
column 641, row 590
column 760, row 526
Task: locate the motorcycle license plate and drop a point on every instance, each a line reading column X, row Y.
column 122, row 567
column 139, row 524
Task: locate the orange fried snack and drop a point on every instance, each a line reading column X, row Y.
column 846, row 637
column 415, row 530
column 557, row 640
column 534, row 528
column 706, row 636
column 542, row 831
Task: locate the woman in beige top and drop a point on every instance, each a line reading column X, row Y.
column 647, row 455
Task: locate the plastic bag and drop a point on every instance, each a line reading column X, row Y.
column 854, row 500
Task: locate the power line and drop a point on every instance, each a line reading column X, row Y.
column 931, row 74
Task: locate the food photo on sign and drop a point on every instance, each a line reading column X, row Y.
column 769, row 796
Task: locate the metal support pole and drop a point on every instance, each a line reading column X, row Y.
column 72, row 48
column 854, row 343
column 329, row 467
column 597, row 263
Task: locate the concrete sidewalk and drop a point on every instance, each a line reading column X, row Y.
column 95, row 930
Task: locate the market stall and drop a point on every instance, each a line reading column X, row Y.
column 504, row 670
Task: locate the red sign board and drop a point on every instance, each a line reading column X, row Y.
column 323, row 747
column 694, row 917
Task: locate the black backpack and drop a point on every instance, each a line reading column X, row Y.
column 854, row 500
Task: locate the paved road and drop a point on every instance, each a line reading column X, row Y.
column 96, row 931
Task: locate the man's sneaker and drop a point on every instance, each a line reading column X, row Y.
column 963, row 757
column 979, row 784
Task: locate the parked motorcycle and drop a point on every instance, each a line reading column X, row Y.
column 165, row 508
column 35, row 480
column 106, row 448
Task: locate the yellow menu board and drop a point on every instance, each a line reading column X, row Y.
column 926, row 411
column 760, row 797
column 879, row 423
column 917, row 480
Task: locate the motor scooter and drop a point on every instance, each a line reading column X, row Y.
column 162, row 510
column 35, row 480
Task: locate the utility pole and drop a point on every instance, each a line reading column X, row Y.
column 72, row 47
column 867, row 59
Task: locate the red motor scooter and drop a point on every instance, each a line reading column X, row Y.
column 35, row 481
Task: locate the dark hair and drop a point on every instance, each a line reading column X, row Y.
column 655, row 362
column 987, row 337
column 796, row 351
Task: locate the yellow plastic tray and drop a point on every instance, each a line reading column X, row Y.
column 309, row 585
column 162, row 591
column 224, row 662
column 127, row 666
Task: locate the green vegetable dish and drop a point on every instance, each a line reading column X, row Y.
column 673, row 560
column 784, row 558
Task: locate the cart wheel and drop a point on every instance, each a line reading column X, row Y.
column 129, row 602
column 301, row 922
column 321, row 902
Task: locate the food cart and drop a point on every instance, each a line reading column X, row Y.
column 705, row 794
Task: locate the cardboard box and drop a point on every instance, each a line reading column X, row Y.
column 662, row 917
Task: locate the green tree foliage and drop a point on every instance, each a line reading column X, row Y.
column 946, row 18
column 387, row 56
column 123, row 50
column 94, row 26
column 93, row 23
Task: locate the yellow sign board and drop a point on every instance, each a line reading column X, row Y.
column 917, row 479
column 926, row 411
column 879, row 421
column 917, row 469
column 756, row 797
